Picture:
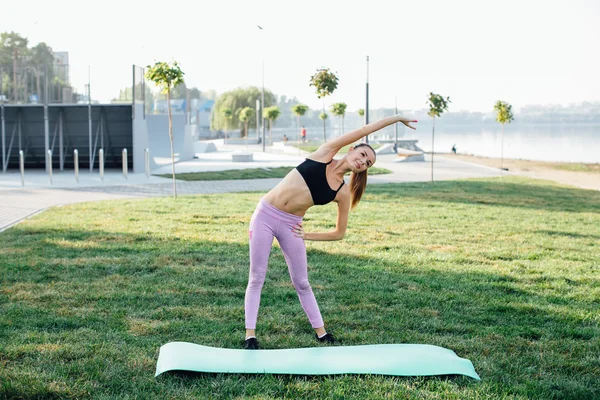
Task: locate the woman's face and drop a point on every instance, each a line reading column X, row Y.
column 361, row 158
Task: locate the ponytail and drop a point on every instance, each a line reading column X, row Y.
column 358, row 182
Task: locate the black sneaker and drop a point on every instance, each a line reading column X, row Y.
column 328, row 338
column 251, row 344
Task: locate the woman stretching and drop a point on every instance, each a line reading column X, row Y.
column 318, row 180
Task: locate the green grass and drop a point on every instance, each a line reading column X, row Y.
column 578, row 167
column 505, row 273
column 253, row 173
column 313, row 146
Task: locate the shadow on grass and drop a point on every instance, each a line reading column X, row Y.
column 194, row 375
column 116, row 297
column 120, row 281
column 508, row 192
column 574, row 235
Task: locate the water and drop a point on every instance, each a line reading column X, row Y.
column 540, row 142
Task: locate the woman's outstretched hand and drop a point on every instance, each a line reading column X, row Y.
column 407, row 122
column 298, row 231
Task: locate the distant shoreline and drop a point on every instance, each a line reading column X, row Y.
column 583, row 175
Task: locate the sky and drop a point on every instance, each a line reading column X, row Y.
column 475, row 52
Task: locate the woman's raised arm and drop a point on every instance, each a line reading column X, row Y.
column 334, row 145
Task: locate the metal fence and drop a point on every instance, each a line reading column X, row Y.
column 137, row 91
column 40, row 84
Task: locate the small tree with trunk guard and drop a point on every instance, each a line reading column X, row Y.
column 271, row 113
column 325, row 83
column 299, row 110
column 504, row 115
column 437, row 105
column 167, row 76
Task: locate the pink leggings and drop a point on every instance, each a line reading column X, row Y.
column 269, row 222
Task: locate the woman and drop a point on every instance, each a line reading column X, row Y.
column 279, row 215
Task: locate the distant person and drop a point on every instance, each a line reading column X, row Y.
column 285, row 138
column 454, row 148
column 303, row 134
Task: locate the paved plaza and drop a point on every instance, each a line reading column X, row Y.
column 19, row 201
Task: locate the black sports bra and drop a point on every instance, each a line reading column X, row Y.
column 315, row 177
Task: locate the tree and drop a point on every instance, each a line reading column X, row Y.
column 271, row 113
column 227, row 114
column 325, row 82
column 246, row 115
column 361, row 113
column 299, row 110
column 126, row 95
column 236, row 100
column 167, row 76
column 41, row 61
column 179, row 91
column 504, row 115
column 339, row 110
column 437, row 105
column 195, row 93
column 16, row 45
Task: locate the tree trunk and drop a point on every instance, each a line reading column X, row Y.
column 270, row 137
column 324, row 131
column 171, row 139
column 15, row 55
column 37, row 85
column 502, row 151
column 432, row 147
column 24, row 81
column 342, row 125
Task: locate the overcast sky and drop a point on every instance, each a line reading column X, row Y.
column 476, row 52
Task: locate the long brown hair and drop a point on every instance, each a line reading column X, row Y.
column 358, row 181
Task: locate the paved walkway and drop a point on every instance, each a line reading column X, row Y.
column 18, row 202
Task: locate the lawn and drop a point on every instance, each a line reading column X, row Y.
column 251, row 173
column 503, row 272
column 578, row 167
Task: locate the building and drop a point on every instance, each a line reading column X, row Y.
column 61, row 66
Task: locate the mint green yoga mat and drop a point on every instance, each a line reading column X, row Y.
column 381, row 359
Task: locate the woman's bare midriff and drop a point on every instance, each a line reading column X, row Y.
column 291, row 195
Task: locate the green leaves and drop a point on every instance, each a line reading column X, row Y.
column 246, row 113
column 503, row 112
column 339, row 109
column 324, row 81
column 271, row 113
column 236, row 100
column 165, row 75
column 13, row 41
column 299, row 109
column 361, row 112
column 437, row 104
column 41, row 54
column 323, row 116
column 227, row 112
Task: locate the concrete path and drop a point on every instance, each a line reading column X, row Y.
column 18, row 202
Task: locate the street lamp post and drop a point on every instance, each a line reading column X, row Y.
column 396, row 125
column 262, row 93
column 262, row 103
column 257, row 118
column 367, row 101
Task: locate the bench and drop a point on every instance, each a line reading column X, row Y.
column 242, row 157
